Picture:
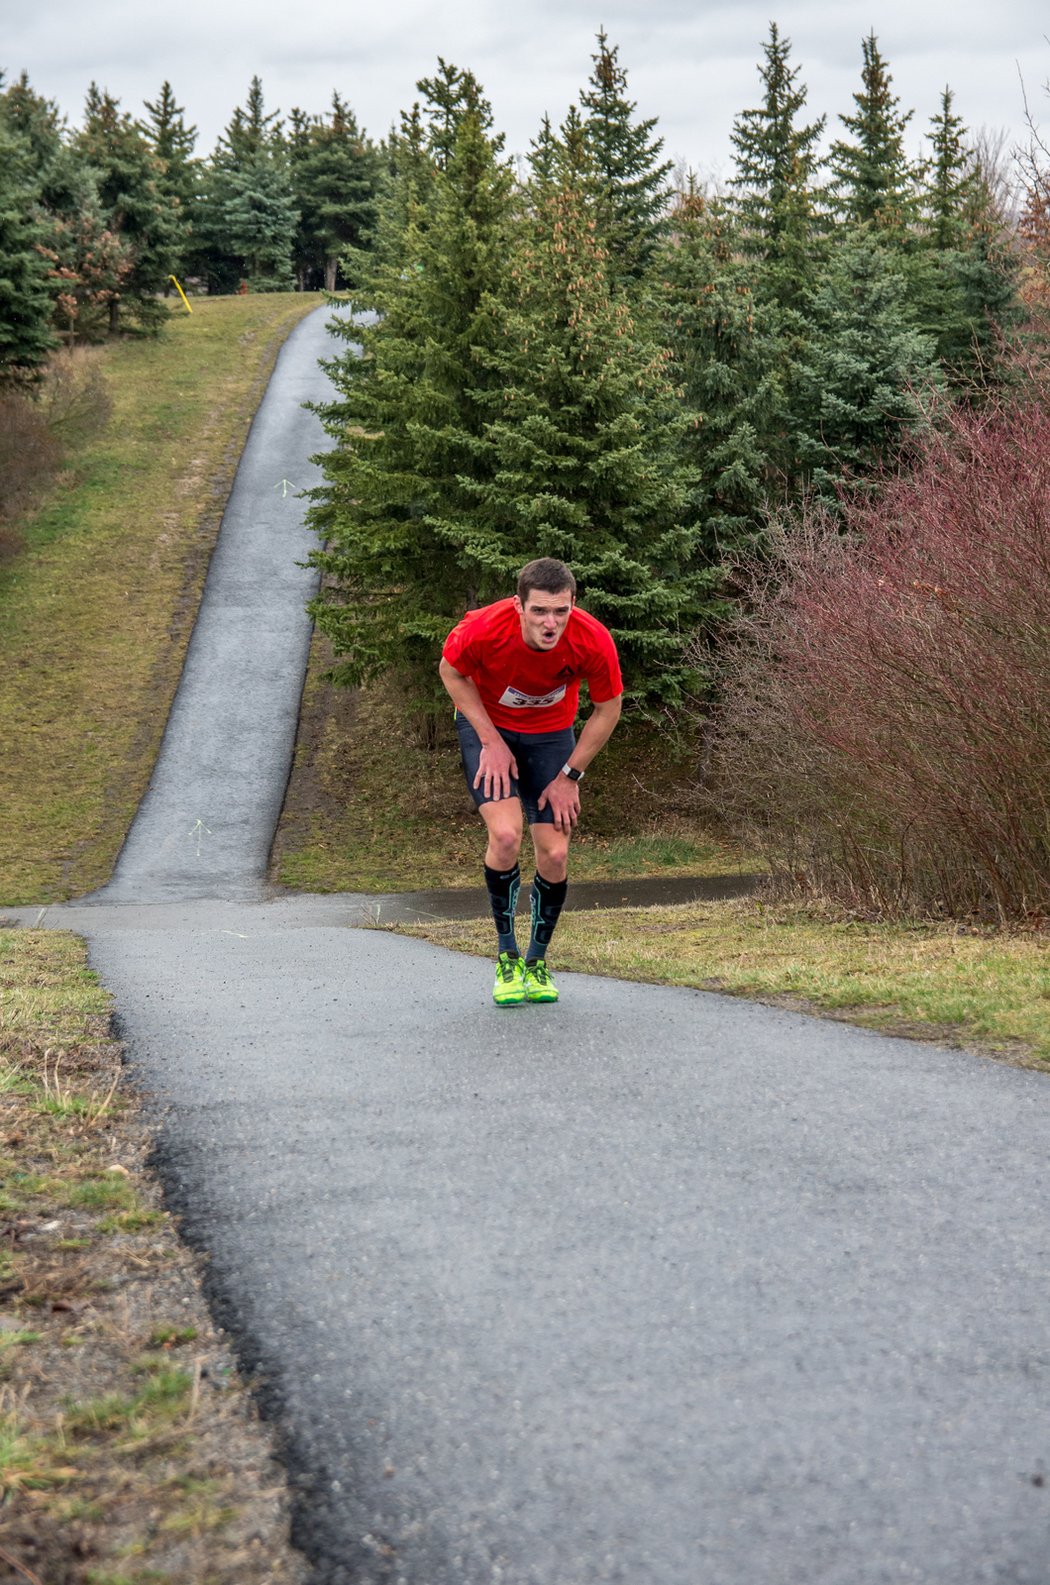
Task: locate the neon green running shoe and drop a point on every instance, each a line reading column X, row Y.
column 539, row 987
column 509, row 989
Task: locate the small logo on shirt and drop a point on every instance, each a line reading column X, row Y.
column 567, row 671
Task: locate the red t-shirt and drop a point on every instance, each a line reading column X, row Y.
column 532, row 690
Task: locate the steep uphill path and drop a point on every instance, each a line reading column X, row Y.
column 649, row 1287
column 205, row 826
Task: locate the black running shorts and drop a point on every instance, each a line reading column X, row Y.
column 539, row 755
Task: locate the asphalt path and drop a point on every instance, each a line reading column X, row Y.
column 651, row 1286
column 206, row 823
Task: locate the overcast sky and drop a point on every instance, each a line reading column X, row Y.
column 692, row 63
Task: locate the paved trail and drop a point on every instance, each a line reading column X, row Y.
column 652, row 1287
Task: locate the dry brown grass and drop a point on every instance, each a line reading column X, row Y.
column 982, row 989
column 128, row 1448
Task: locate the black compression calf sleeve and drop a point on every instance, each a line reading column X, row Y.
column 504, row 886
column 547, row 900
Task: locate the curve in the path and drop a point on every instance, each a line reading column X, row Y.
column 205, row 826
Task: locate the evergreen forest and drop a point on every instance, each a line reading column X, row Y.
column 581, row 351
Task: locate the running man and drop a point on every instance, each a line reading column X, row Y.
column 513, row 671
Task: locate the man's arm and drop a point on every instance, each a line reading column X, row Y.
column 497, row 764
column 563, row 794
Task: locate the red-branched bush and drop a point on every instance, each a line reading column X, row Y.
column 885, row 731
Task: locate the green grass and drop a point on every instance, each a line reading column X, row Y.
column 171, row 1336
column 135, row 1417
column 100, row 1194
column 46, row 989
column 96, row 611
column 983, row 989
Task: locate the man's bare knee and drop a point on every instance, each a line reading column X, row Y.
column 504, row 835
column 552, row 852
column 504, row 844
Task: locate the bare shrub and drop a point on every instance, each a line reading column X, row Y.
column 29, row 457
column 39, row 428
column 74, row 398
column 885, row 732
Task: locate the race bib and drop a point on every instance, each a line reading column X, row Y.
column 530, row 701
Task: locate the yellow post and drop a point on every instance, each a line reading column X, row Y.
column 182, row 294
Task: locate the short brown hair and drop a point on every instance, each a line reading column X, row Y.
column 546, row 575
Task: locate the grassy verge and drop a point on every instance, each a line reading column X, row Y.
column 96, row 611
column 368, row 809
column 128, row 1449
column 982, row 990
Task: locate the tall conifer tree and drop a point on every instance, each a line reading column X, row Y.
column 776, row 198
column 585, row 427
column 334, row 175
column 173, row 143
column 248, row 214
column 782, row 231
column 865, row 369
column 399, row 505
column 970, row 280
column 129, row 181
column 27, row 284
column 873, row 180
column 718, row 335
column 630, row 179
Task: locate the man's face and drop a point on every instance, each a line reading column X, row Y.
column 544, row 617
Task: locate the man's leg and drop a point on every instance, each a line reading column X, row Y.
column 503, row 822
column 503, row 877
column 549, row 887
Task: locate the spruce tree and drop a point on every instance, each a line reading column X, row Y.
column 447, row 96
column 718, row 337
column 27, row 283
column 397, row 509
column 334, row 175
column 91, row 267
column 129, row 181
column 58, row 176
column 970, row 281
column 781, row 231
column 630, row 180
column 873, row 181
column 307, row 247
column 173, row 143
column 543, row 155
column 951, row 179
column 565, row 159
column 866, row 368
column 89, row 261
column 776, row 198
column 249, row 217
column 585, row 427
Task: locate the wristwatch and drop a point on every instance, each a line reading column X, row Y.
column 572, row 773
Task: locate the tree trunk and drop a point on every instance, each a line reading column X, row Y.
column 331, row 267
column 114, row 315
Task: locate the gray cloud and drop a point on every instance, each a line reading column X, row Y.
column 694, row 65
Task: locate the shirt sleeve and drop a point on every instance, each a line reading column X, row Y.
column 603, row 669
column 460, row 648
